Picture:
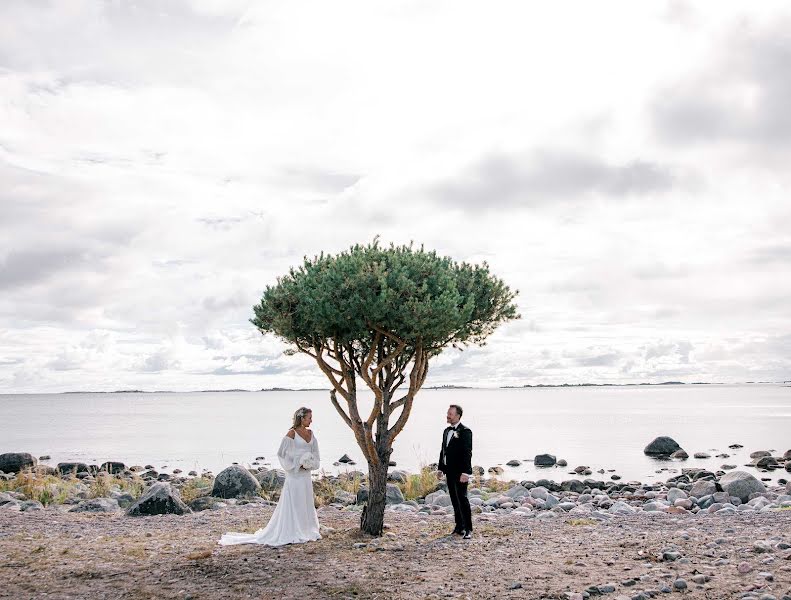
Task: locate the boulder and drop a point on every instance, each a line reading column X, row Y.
column 343, row 497
column 159, row 499
column 662, row 446
column 397, row 476
column 572, row 485
column 205, row 503
column 701, row 455
column 741, row 484
column 14, row 462
column 362, row 495
column 235, row 482
column 765, row 462
column 760, row 453
column 97, row 505
column 496, row 470
column 513, row 463
column 72, row 468
column 344, row 459
column 680, row 454
column 703, row 487
column 112, row 467
column 394, row 495
column 271, row 480
column 545, row 460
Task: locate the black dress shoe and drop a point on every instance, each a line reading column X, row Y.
column 467, row 535
column 458, row 531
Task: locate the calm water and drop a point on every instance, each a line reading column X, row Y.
column 599, row 427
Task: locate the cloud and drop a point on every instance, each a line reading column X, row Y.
column 741, row 96
column 501, row 181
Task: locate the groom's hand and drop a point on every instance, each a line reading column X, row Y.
column 464, row 478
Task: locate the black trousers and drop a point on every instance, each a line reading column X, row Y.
column 461, row 504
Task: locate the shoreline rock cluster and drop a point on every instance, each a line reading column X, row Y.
column 694, row 491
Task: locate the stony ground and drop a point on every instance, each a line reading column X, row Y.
column 56, row 555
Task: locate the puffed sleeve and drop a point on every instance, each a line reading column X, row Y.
column 314, row 443
column 287, row 455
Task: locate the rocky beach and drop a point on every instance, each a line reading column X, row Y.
column 116, row 531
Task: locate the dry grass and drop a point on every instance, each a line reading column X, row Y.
column 195, row 488
column 47, row 489
column 578, row 522
column 325, row 487
column 418, row 485
column 51, row 489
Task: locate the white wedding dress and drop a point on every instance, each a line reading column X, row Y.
column 294, row 520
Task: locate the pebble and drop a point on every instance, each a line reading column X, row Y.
column 744, row 567
column 680, row 584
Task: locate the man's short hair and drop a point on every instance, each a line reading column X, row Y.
column 458, row 409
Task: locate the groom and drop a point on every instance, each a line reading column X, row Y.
column 455, row 461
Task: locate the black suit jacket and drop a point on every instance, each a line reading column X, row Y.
column 457, row 457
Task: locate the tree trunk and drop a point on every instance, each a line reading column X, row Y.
column 373, row 517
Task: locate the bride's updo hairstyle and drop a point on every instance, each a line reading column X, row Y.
column 299, row 415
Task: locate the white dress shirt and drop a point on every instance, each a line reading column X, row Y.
column 451, row 431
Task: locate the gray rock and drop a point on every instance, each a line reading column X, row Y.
column 513, row 463
column 545, row 460
column 674, row 494
column 97, row 505
column 31, row 505
column 438, row 499
column 765, row 462
column 662, row 446
column 702, row 455
column 397, row 476
column 205, row 503
column 345, row 459
column 679, row 584
column 702, row 487
column 741, row 484
column 362, row 495
column 760, row 453
column 517, row 491
column 394, row 495
column 72, row 468
column 235, row 482
column 271, row 480
column 496, row 470
column 159, row 499
column 680, row 454
column 345, row 498
column 113, row 467
column 14, row 462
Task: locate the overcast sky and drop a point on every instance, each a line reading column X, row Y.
column 625, row 166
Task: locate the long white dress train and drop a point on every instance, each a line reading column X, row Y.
column 294, row 520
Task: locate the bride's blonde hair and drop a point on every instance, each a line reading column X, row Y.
column 299, row 415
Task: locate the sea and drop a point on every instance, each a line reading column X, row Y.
column 602, row 427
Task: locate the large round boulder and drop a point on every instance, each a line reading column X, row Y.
column 14, row 462
column 159, row 499
column 741, row 484
column 662, row 446
column 544, row 460
column 235, row 482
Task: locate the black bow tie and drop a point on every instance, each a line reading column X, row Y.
column 453, row 428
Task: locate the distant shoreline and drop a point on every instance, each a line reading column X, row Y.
column 434, row 388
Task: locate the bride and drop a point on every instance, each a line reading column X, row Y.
column 294, row 520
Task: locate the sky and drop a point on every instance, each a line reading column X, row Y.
column 623, row 165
